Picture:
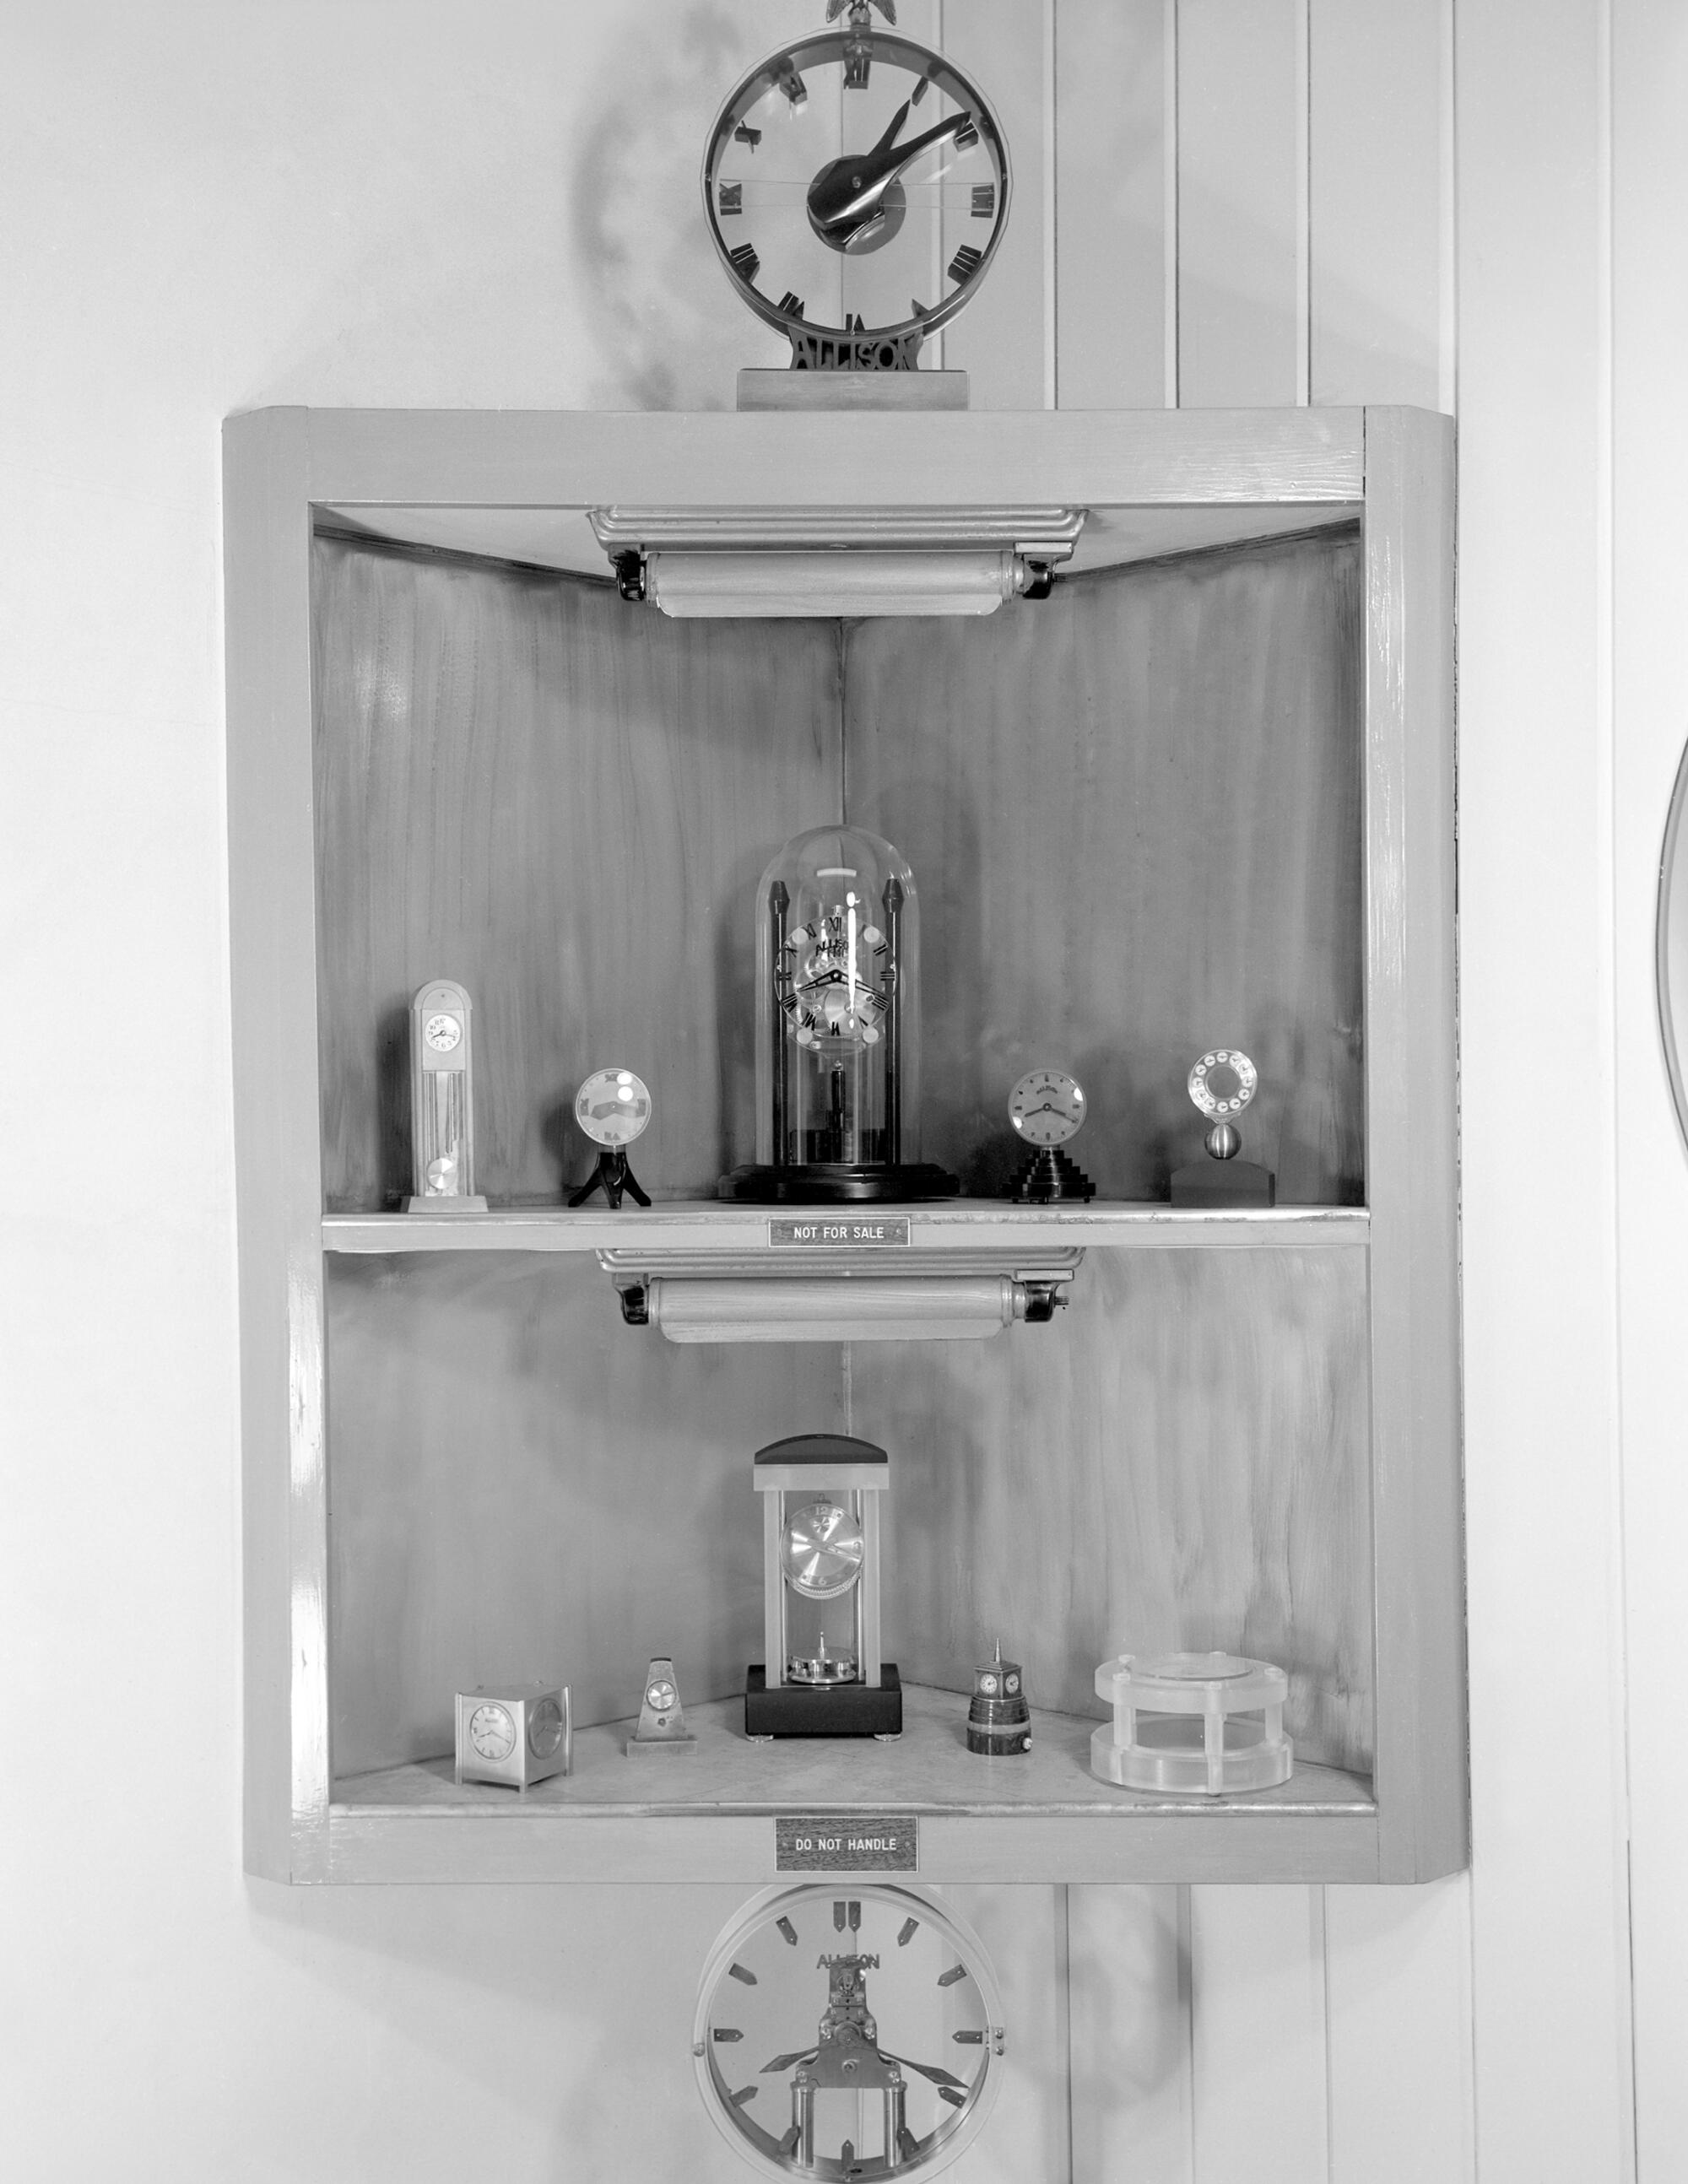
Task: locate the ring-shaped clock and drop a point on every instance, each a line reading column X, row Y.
column 848, row 2030
column 856, row 184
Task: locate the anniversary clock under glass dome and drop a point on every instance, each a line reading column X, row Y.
column 838, row 1028
column 856, row 186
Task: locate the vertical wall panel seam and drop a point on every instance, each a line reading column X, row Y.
column 1447, row 345
column 1304, row 242
column 1052, row 169
column 1170, row 242
column 1324, row 1976
column 1605, row 639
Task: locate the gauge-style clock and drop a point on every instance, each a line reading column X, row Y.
column 848, row 2030
column 613, row 1107
column 1047, row 1108
column 856, row 185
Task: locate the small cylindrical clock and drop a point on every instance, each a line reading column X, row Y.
column 838, row 1028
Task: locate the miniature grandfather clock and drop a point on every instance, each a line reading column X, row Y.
column 837, row 1029
column 821, row 1675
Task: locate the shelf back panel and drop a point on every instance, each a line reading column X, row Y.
column 521, row 1487
column 1133, row 811
column 1179, row 1463
column 564, row 803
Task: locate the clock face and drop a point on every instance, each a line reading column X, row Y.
column 848, row 2024
column 988, row 1684
column 829, row 979
column 1223, row 1081
column 491, row 1732
column 612, row 1106
column 442, row 1034
column 821, row 1551
column 857, row 184
column 545, row 1730
column 660, row 1695
column 1011, row 1683
column 1046, row 1107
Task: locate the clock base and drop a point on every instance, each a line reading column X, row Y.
column 1229, row 1183
column 823, row 1709
column 851, row 390
column 1050, row 1176
column 835, row 1183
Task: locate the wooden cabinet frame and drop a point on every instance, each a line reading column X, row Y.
column 1397, row 465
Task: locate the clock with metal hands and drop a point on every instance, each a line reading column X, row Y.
column 856, row 185
column 1047, row 1108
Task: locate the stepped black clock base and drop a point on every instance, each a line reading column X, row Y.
column 1049, row 1177
column 823, row 1709
column 835, row 1183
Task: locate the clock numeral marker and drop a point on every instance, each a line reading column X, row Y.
column 747, row 264
column 967, row 135
column 731, row 2032
column 906, row 1932
column 917, row 309
column 738, row 1972
column 789, row 1931
column 920, row 91
column 847, row 1911
column 858, row 63
column 744, row 134
column 956, row 1972
column 792, row 84
column 732, row 197
column 789, row 2144
column 960, row 2039
column 792, row 303
column 949, row 2093
column 963, row 265
column 985, row 200
column 748, row 2093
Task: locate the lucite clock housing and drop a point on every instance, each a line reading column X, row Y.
column 845, row 2030
column 856, row 185
column 838, row 1027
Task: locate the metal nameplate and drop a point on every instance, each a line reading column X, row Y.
column 833, row 1232
column 846, row 1842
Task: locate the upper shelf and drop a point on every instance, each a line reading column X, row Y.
column 961, row 1225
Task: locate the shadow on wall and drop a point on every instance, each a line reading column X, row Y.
column 666, row 315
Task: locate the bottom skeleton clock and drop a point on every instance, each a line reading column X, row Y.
column 850, row 2030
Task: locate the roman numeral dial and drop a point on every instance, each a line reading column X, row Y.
column 840, row 178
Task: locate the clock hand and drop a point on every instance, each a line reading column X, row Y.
column 845, row 197
column 785, row 2062
column 927, row 2071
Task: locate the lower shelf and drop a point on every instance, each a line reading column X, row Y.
column 710, row 1816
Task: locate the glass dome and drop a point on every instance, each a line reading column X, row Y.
column 838, row 1026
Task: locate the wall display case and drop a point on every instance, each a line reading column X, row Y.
column 1199, row 794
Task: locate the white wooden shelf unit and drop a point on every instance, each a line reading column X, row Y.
column 348, row 1308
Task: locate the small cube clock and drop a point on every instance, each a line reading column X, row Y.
column 517, row 1734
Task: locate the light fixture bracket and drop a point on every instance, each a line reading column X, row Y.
column 771, row 562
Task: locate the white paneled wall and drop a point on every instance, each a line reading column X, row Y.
column 410, row 201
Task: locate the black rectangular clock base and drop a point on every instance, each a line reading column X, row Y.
column 823, row 1709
